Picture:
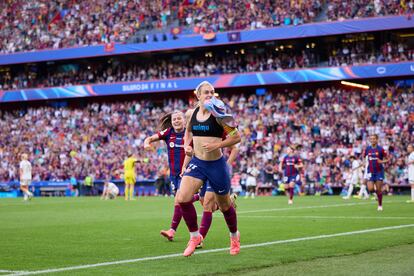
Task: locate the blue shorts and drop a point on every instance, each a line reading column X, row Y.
column 205, row 188
column 175, row 182
column 216, row 173
column 294, row 178
column 379, row 176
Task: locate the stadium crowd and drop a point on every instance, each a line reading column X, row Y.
column 27, row 25
column 241, row 62
column 330, row 125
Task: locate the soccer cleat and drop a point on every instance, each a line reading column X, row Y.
column 345, row 197
column 169, row 234
column 200, row 245
column 379, row 208
column 192, row 244
column 233, row 198
column 410, row 201
column 235, row 244
column 290, row 202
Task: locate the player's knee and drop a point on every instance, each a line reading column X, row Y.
column 208, row 205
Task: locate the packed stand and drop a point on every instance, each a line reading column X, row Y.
column 119, row 71
column 329, row 124
column 243, row 62
column 354, row 9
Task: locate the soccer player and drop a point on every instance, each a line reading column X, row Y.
column 355, row 176
column 173, row 129
column 209, row 121
column 130, row 178
column 251, row 183
column 290, row 166
column 110, row 191
column 410, row 164
column 25, row 176
column 376, row 158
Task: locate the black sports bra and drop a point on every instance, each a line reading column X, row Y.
column 209, row 127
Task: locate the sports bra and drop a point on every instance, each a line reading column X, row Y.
column 208, row 128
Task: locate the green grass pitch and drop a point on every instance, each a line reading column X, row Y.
column 52, row 233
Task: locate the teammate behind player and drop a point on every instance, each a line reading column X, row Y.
column 410, row 164
column 172, row 132
column 110, row 191
column 25, row 170
column 290, row 166
column 129, row 175
column 376, row 158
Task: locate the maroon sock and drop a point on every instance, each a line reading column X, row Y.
column 291, row 192
column 189, row 215
column 196, row 197
column 205, row 223
column 231, row 219
column 379, row 195
column 178, row 214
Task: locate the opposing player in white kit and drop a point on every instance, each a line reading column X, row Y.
column 25, row 169
column 410, row 164
column 363, row 193
column 110, row 191
column 355, row 177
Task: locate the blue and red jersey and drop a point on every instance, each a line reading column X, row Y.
column 288, row 165
column 175, row 149
column 375, row 154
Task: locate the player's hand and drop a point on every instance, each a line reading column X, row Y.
column 189, row 151
column 147, row 147
column 209, row 147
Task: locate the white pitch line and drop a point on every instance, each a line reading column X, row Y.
column 12, row 271
column 306, row 207
column 327, row 217
column 70, row 268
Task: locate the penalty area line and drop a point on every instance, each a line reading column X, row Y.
column 70, row 268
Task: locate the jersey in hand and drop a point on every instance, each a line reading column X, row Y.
column 207, row 128
column 375, row 154
column 289, row 163
column 175, row 149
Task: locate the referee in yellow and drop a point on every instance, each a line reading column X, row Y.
column 129, row 175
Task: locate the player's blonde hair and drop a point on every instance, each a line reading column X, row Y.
column 198, row 88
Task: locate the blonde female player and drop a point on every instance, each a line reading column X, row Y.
column 172, row 132
column 205, row 129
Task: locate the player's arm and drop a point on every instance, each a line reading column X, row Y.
column 149, row 140
column 233, row 138
column 233, row 154
column 299, row 164
column 281, row 164
column 385, row 157
column 188, row 134
column 105, row 191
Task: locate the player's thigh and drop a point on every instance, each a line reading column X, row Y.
column 291, row 185
column 209, row 202
column 188, row 187
column 370, row 185
column 379, row 185
column 223, row 201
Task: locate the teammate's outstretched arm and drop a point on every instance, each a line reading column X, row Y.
column 149, row 140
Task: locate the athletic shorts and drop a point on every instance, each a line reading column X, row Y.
column 294, row 178
column 205, row 188
column 215, row 172
column 25, row 182
column 375, row 176
column 130, row 179
column 175, row 182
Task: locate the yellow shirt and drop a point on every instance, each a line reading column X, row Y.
column 129, row 168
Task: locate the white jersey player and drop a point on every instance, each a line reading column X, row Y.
column 110, row 191
column 25, row 171
column 410, row 164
